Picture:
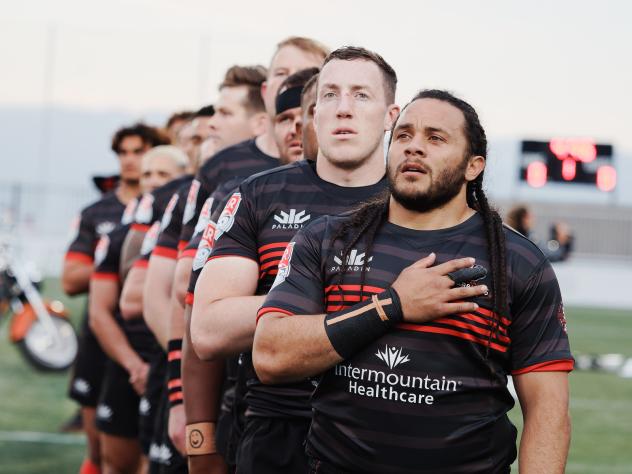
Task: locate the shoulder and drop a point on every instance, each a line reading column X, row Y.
column 279, row 174
column 522, row 250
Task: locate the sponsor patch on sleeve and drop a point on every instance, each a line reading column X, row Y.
column 189, row 208
column 284, row 265
column 227, row 218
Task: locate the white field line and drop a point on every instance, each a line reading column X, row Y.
column 39, row 437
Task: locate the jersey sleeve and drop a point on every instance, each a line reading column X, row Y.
column 149, row 242
column 145, row 211
column 298, row 287
column 107, row 256
column 539, row 341
column 170, row 227
column 83, row 244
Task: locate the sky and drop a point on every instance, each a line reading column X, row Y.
column 533, row 69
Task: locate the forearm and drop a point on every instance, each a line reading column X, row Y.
column 131, row 301
column 112, row 339
column 156, row 313
column 225, row 327
column 292, row 348
column 545, row 441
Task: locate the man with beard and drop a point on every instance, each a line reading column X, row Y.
column 129, row 144
column 415, row 368
column 355, row 107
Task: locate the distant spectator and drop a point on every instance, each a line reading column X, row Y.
column 560, row 243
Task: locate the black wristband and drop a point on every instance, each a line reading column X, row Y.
column 352, row 329
column 174, row 378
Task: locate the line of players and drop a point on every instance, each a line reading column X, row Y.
column 175, row 287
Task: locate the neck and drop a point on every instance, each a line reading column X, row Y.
column 451, row 214
column 127, row 190
column 267, row 144
column 369, row 172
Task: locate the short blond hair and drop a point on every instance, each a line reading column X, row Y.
column 307, row 45
column 180, row 159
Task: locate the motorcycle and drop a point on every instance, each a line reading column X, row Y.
column 40, row 328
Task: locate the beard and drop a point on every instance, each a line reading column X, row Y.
column 440, row 192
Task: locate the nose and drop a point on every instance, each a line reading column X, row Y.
column 415, row 147
column 344, row 108
column 297, row 127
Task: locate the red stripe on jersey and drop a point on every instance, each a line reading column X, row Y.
column 188, row 299
column 187, row 253
column 140, row 227
column 372, row 289
column 479, row 319
column 471, row 327
column 175, row 383
column 548, row 366
column 273, row 263
column 79, row 257
column 268, row 255
column 271, row 309
column 275, row 245
column 140, row 263
column 174, row 355
column 182, row 245
column 176, row 396
column 491, row 314
column 165, row 252
column 350, row 298
column 451, row 332
column 104, row 276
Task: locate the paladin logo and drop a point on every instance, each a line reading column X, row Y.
column 104, row 412
column 291, row 220
column 355, row 261
column 392, row 356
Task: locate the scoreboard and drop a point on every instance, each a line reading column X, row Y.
column 576, row 161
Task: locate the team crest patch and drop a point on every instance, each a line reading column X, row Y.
column 284, row 265
column 166, row 217
column 128, row 214
column 227, row 218
column 561, row 317
column 101, row 250
column 144, row 211
column 189, row 208
column 205, row 216
column 151, row 237
column 205, row 247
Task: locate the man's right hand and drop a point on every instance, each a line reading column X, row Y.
column 138, row 373
column 427, row 293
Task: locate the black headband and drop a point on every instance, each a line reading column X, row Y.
column 288, row 99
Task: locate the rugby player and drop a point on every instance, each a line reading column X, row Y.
column 129, row 144
column 415, row 369
column 355, row 107
column 126, row 370
column 175, row 123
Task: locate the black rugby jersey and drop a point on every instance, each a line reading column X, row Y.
column 151, row 210
column 423, row 397
column 237, row 161
column 171, row 224
column 257, row 223
column 94, row 221
column 107, row 259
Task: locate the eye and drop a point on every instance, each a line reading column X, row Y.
column 362, row 95
column 402, row 136
column 436, row 138
column 329, row 95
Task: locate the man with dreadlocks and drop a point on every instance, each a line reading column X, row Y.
column 414, row 365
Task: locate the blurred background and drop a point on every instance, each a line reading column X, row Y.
column 550, row 81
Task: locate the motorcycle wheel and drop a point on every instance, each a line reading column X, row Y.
column 46, row 352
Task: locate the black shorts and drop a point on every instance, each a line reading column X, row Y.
column 150, row 401
column 163, row 456
column 117, row 410
column 273, row 445
column 88, row 369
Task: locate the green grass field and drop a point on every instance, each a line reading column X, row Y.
column 601, row 404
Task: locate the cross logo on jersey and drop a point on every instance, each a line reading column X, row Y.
column 189, row 209
column 227, row 218
column 284, row 265
column 291, row 219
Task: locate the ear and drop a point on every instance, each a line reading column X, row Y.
column 475, row 166
column 259, row 123
column 391, row 115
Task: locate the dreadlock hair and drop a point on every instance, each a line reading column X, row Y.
column 369, row 217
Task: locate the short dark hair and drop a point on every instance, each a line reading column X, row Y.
column 250, row 77
column 184, row 115
column 352, row 53
column 298, row 79
column 206, row 111
column 150, row 136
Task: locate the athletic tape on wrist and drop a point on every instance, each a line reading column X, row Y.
column 351, row 329
column 200, row 438
column 174, row 377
